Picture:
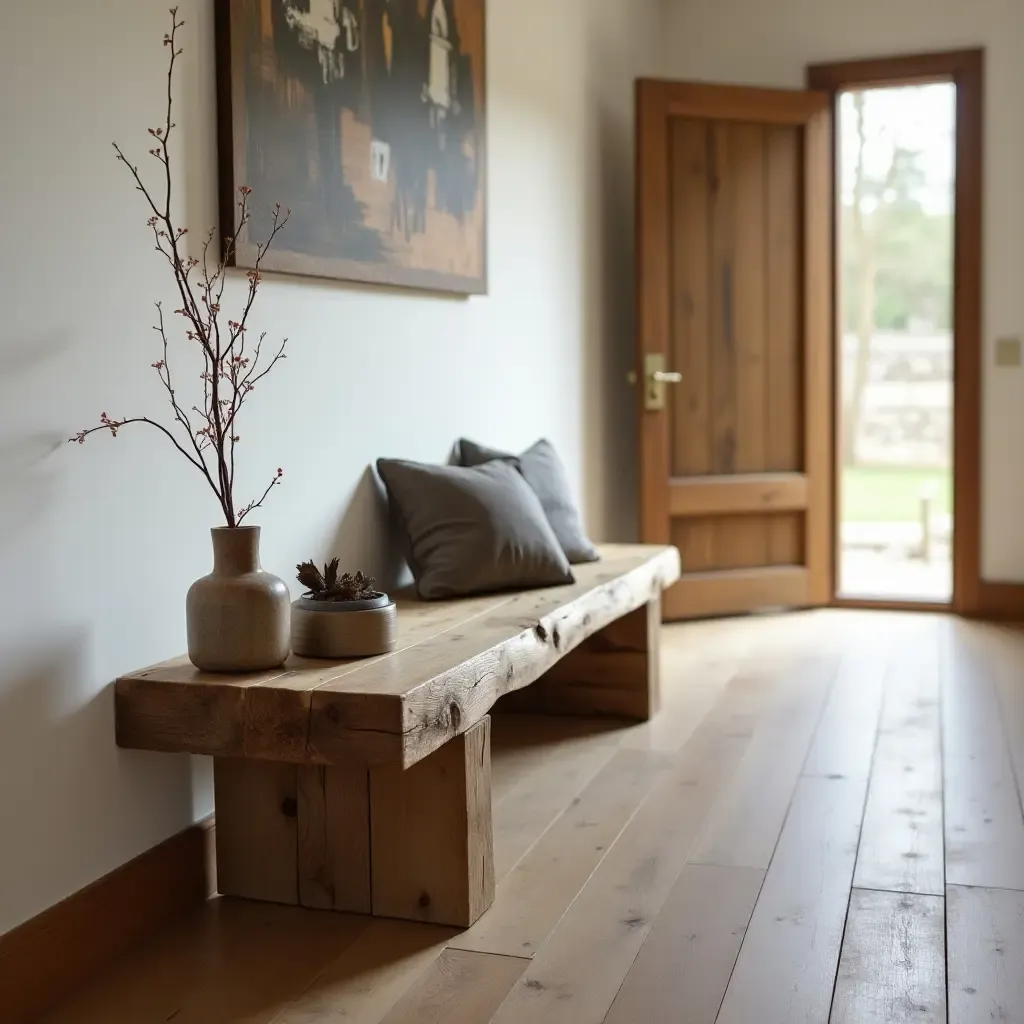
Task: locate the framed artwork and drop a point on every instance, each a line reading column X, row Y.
column 367, row 119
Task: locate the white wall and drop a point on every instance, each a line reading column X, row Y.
column 770, row 43
column 99, row 544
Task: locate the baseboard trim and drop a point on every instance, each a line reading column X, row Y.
column 47, row 958
column 1001, row 602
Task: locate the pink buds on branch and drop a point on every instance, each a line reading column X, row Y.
column 205, row 432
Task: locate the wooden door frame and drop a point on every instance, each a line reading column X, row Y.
column 658, row 100
column 964, row 68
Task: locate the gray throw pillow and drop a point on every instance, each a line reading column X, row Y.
column 543, row 471
column 472, row 531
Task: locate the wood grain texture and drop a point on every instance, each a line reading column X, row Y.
column 654, row 295
column 634, row 932
column 969, row 343
column 459, row 988
column 684, row 966
column 750, row 312
column 901, row 845
column 819, row 328
column 783, row 325
column 739, row 103
column 893, row 965
column 731, row 535
column 400, row 708
column 535, row 895
column 528, row 810
column 1005, row 646
column 999, row 602
column 433, row 846
column 985, row 936
column 257, row 829
column 366, row 981
column 230, row 961
column 690, row 407
column 984, row 826
column 844, row 744
column 610, row 920
column 723, row 286
column 880, row 72
column 787, row 965
column 691, row 694
column 47, row 958
column 743, row 828
column 737, row 591
column 614, row 672
column 739, row 494
column 691, row 292
column 748, row 220
column 334, row 838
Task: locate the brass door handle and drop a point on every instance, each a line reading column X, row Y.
column 659, row 377
column 656, row 377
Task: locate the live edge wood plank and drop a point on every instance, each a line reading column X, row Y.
column 396, row 709
column 614, row 672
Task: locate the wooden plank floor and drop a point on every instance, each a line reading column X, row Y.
column 824, row 824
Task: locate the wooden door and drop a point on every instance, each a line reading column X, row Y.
column 735, row 306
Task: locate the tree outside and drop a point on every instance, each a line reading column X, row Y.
column 897, row 174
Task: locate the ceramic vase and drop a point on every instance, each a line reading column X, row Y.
column 239, row 616
column 344, row 629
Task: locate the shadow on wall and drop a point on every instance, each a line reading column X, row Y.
column 367, row 539
column 609, row 411
column 27, row 490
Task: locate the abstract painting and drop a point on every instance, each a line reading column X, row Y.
column 367, row 119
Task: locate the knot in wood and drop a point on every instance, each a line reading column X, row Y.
column 290, row 807
column 455, row 716
column 542, row 633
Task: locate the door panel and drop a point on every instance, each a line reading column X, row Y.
column 690, row 410
column 727, row 178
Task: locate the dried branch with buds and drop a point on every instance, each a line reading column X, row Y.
column 205, row 432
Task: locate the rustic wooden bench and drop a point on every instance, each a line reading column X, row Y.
column 365, row 786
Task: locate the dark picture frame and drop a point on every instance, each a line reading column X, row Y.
column 368, row 120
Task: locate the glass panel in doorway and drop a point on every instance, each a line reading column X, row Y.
column 896, row 364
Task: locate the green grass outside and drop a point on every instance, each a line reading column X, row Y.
column 893, row 495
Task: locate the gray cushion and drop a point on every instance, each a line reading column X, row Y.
column 472, row 531
column 543, row 471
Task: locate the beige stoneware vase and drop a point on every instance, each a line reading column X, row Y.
column 239, row 617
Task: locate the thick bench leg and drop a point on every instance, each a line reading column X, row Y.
column 293, row 835
column 615, row 672
column 433, row 845
column 302, row 835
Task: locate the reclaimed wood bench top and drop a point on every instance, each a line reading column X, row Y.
column 453, row 661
